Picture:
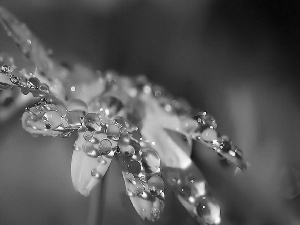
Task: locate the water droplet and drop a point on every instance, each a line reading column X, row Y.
column 125, row 138
column 129, row 193
column 205, row 121
column 96, row 174
column 185, row 191
column 155, row 214
column 77, row 105
column 89, row 136
column 14, row 79
column 24, row 90
column 101, row 160
column 208, row 210
column 111, row 105
column 73, row 120
column 113, row 131
column 156, row 185
column 209, row 135
column 136, row 135
column 88, row 149
column 225, row 144
column 44, row 88
column 105, row 146
column 33, row 83
column 53, row 118
column 133, row 167
column 92, row 122
column 121, row 122
column 127, row 150
column 5, row 69
column 150, row 161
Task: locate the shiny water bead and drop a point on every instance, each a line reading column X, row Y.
column 185, row 191
column 150, row 161
column 53, row 118
column 105, row 147
column 96, row 174
column 14, row 79
column 101, row 160
column 78, row 106
column 44, row 88
column 209, row 135
column 113, row 132
column 225, row 144
column 204, row 121
column 136, row 135
column 5, row 69
column 238, row 152
column 155, row 214
column 120, row 121
column 73, row 120
column 33, row 83
column 111, row 105
column 172, row 175
column 127, row 150
column 133, row 166
column 25, row 90
column 208, row 210
column 88, row 135
column 124, row 138
column 156, row 185
column 88, row 148
column 92, row 122
column 135, row 187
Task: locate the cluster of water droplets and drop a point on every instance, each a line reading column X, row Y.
column 27, row 82
column 207, row 133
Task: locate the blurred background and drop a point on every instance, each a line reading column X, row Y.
column 238, row 60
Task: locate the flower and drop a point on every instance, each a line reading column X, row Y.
column 139, row 123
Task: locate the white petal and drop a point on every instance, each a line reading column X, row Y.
column 147, row 209
column 82, row 166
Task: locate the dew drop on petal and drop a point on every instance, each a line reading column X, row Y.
column 127, row 150
column 125, row 138
column 156, row 185
column 209, row 135
column 185, row 191
column 111, row 105
column 96, row 174
column 133, row 167
column 88, row 149
column 113, row 131
column 78, row 106
column 150, row 161
column 44, row 88
column 136, row 135
column 92, row 122
column 105, row 146
column 121, row 122
column 73, row 120
column 208, row 210
column 25, row 90
column 33, row 83
column 53, row 118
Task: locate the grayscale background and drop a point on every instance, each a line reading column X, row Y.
column 238, row 60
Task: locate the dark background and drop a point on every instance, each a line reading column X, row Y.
column 238, row 60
